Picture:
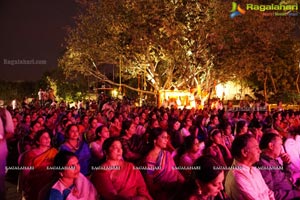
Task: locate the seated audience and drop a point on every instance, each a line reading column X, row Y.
column 117, row 179
column 115, row 127
column 215, row 146
column 187, row 154
column 272, row 171
column 40, row 158
column 90, row 135
column 71, row 184
column 162, row 178
column 28, row 142
column 207, row 181
column 131, row 143
column 292, row 147
column 102, row 134
column 227, row 134
column 241, row 127
column 244, row 181
column 75, row 144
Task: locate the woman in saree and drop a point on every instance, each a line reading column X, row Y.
column 28, row 143
column 102, row 134
column 117, row 179
column 132, row 143
column 162, row 177
column 71, row 184
column 37, row 161
column 188, row 153
column 207, row 183
column 75, row 144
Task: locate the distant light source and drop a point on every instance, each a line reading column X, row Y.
column 14, row 104
column 220, row 90
column 114, row 93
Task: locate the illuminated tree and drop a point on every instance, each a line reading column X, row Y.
column 258, row 48
column 164, row 40
column 182, row 43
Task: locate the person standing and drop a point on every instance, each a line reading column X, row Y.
column 6, row 132
column 40, row 96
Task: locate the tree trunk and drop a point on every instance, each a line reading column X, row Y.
column 297, row 86
column 265, row 88
column 273, row 83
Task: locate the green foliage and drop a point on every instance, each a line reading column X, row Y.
column 165, row 39
column 177, row 43
column 18, row 90
column 72, row 88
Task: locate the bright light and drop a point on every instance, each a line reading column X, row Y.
column 114, row 93
column 178, row 102
column 220, row 90
column 14, row 104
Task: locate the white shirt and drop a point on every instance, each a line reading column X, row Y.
column 245, row 182
column 292, row 147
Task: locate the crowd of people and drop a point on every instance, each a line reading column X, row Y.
column 119, row 151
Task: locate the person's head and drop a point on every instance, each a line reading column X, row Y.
column 243, row 115
column 200, row 121
column 271, row 144
column 50, row 119
column 113, row 149
column 165, row 116
column 257, row 115
column 136, row 120
column 214, row 119
column 257, row 128
column 241, row 127
column 191, row 144
column 42, row 138
column 68, row 164
column 72, row 132
column 115, row 120
column 154, row 123
column 175, row 125
column 15, row 121
column 208, row 179
column 84, row 119
column 227, row 129
column 41, row 120
column 158, row 138
column 102, row 132
column 128, row 128
column 245, row 149
column 215, row 136
column 277, row 116
column 188, row 122
column 27, row 118
column 153, row 115
column 93, row 122
column 35, row 126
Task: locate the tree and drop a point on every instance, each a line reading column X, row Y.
column 74, row 90
column 183, row 43
column 163, row 40
column 260, row 48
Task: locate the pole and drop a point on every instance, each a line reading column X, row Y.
column 120, row 78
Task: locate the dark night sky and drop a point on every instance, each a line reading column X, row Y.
column 32, row 29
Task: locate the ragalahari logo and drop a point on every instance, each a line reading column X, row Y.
column 236, row 10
